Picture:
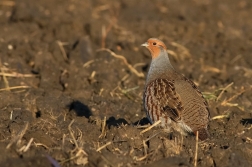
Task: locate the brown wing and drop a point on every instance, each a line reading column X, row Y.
column 199, row 93
column 196, row 113
column 163, row 95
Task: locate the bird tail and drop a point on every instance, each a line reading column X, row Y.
column 202, row 133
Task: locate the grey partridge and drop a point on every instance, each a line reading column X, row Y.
column 171, row 97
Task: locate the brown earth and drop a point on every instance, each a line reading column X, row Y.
column 58, row 88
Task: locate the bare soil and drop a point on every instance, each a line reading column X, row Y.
column 73, row 73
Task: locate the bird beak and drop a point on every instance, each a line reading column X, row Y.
column 145, row 44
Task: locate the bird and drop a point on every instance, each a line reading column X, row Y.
column 171, row 97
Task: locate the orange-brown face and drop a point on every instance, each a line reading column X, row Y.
column 154, row 45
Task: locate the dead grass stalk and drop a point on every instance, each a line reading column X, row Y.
column 131, row 68
column 196, row 149
column 150, row 127
column 16, row 139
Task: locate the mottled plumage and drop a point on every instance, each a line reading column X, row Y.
column 171, row 97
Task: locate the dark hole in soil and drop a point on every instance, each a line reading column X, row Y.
column 246, row 121
column 170, row 136
column 38, row 114
column 145, row 68
column 142, row 122
column 224, row 147
column 115, row 122
column 80, row 109
column 148, row 144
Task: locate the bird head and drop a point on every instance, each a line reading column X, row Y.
column 155, row 46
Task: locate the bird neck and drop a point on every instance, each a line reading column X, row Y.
column 160, row 66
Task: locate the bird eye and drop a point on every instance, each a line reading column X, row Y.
column 154, row 43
